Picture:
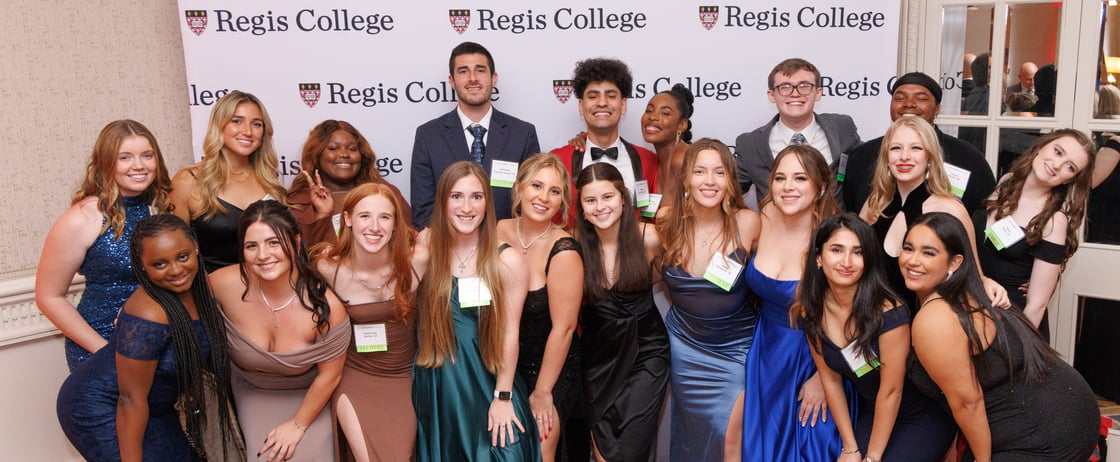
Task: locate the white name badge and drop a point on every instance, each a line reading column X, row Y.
column 371, row 337
column 641, row 193
column 722, row 271
column 503, row 173
column 1004, row 233
column 857, row 362
column 842, row 169
column 958, row 179
column 473, row 293
column 336, row 221
column 650, row 211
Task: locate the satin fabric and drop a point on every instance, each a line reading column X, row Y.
column 710, row 332
column 778, row 364
column 452, row 402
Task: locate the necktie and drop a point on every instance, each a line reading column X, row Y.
column 477, row 148
column 597, row 153
column 798, row 138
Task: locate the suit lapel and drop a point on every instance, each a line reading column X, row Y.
column 497, row 137
column 454, row 138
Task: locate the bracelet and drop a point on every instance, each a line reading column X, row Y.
column 870, row 459
column 849, row 451
column 299, row 427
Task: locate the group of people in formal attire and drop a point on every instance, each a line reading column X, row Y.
column 874, row 301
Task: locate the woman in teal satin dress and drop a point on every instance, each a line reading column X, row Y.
column 470, row 405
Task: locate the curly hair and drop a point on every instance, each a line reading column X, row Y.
column 101, row 169
column 316, row 144
column 594, row 70
column 1070, row 198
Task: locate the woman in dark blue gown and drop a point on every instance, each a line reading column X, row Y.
column 710, row 324
column 120, row 404
column 126, row 179
column 859, row 332
column 784, row 411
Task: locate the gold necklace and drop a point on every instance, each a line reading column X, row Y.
column 525, row 248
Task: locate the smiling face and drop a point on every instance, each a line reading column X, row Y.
column 602, row 105
column 795, row 106
column 1059, row 161
column 907, row 158
column 602, row 203
column 914, row 100
column 473, row 79
column 170, row 260
column 242, row 134
column 265, row 254
column 341, row 158
column 924, row 262
column 136, row 166
column 841, row 259
column 708, row 183
column 662, row 120
column 372, row 223
column 792, row 189
column 466, row 205
column 542, row 196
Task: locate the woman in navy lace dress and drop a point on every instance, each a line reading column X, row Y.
column 120, row 404
column 125, row 179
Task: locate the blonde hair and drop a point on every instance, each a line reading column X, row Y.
column 883, row 184
column 99, row 181
column 213, row 173
column 676, row 226
column 433, row 297
column 535, row 164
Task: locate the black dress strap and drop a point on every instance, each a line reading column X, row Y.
column 1048, row 252
column 563, row 244
column 895, row 317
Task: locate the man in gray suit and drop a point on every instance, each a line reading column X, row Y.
column 794, row 87
column 473, row 131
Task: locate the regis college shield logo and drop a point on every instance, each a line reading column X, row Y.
column 196, row 20
column 562, row 89
column 708, row 16
column 460, row 19
column 309, row 93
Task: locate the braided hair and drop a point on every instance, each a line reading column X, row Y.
column 190, row 361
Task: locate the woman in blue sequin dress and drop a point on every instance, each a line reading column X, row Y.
column 126, row 179
column 710, row 326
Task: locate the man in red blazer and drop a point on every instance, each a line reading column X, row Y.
column 602, row 87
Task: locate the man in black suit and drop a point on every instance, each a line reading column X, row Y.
column 474, row 131
column 794, row 88
column 918, row 95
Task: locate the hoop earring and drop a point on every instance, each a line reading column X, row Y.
column 679, row 137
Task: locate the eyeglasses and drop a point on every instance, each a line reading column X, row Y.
column 803, row 88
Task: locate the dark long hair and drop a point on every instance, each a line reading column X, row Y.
column 964, row 292
column 190, row 361
column 873, row 291
column 635, row 271
column 306, row 282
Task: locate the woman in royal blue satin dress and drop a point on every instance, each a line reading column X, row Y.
column 708, row 234
column 785, row 416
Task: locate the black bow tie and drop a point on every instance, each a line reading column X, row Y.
column 597, row 153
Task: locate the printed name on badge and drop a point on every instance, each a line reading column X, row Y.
column 503, row 173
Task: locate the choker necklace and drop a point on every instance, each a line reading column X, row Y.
column 274, row 310
column 463, row 261
column 524, row 247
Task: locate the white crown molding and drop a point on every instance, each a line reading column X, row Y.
column 20, row 319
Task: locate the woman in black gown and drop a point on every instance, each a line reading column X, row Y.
column 625, row 344
column 1012, row 396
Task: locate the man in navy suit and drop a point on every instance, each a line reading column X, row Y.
column 474, row 131
column 794, row 87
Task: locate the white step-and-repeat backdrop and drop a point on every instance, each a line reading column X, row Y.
column 382, row 66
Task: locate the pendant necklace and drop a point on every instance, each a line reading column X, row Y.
column 525, row 248
column 704, row 242
column 274, row 310
column 384, row 280
column 463, row 261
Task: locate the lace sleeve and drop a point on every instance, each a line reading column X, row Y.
column 140, row 339
column 563, row 244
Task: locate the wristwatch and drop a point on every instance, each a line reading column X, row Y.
column 503, row 395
